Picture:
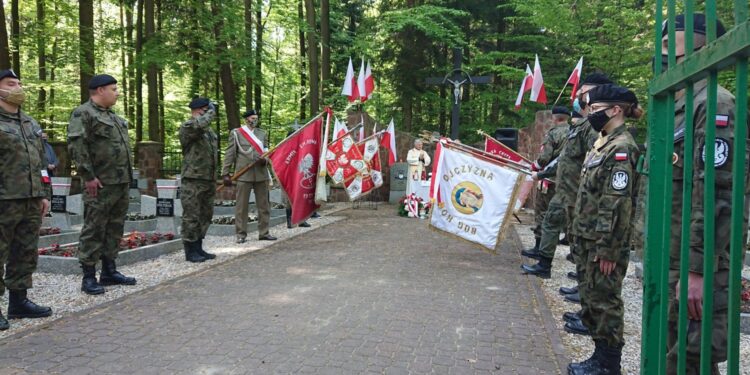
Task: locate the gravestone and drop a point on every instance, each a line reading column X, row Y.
column 59, row 204
column 399, row 172
column 165, row 206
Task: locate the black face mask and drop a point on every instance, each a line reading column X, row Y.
column 598, row 119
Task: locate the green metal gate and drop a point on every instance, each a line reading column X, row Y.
column 731, row 51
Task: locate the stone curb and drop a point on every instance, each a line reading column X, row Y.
column 228, row 229
column 140, row 225
column 67, row 236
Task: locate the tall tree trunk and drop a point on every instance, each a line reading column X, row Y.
column 160, row 79
column 312, row 53
column 499, row 46
column 4, row 46
column 225, row 69
column 249, row 47
column 258, row 54
column 139, row 73
column 129, row 74
column 86, row 46
column 325, row 33
column 41, row 55
column 15, row 36
column 196, row 9
column 303, row 61
column 123, row 62
column 152, row 79
column 53, row 64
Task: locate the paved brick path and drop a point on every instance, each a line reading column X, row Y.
column 376, row 301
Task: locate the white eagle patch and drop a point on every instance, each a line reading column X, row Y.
column 721, row 152
column 620, row 180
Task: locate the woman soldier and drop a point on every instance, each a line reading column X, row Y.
column 602, row 215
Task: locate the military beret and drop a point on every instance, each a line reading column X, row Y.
column 595, row 79
column 611, row 94
column 8, row 73
column 249, row 113
column 198, row 102
column 101, row 80
column 560, row 110
column 699, row 25
column 577, row 115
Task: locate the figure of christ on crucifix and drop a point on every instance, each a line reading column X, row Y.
column 457, row 78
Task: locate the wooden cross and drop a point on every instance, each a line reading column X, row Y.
column 457, row 78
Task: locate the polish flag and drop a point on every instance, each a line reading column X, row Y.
column 525, row 86
column 361, row 83
column 339, row 129
column 537, row 86
column 389, row 143
column 369, row 82
column 575, row 78
column 350, row 90
column 361, row 133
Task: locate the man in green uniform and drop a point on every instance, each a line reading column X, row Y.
column 551, row 147
column 246, row 146
column 724, row 124
column 199, row 152
column 602, row 221
column 24, row 199
column 99, row 146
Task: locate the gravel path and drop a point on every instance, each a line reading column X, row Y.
column 581, row 347
column 63, row 293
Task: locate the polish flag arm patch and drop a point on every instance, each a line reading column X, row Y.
column 620, row 156
column 722, row 121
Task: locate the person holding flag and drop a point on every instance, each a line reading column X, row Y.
column 246, row 147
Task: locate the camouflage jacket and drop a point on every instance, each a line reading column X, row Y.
column 553, row 143
column 23, row 158
column 240, row 153
column 99, row 145
column 199, row 147
column 567, row 169
column 604, row 205
column 723, row 161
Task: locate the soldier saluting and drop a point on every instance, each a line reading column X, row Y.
column 99, row 146
column 24, row 199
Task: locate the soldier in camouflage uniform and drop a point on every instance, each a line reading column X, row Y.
column 24, row 199
column 199, row 152
column 724, row 123
column 566, row 171
column 551, row 147
column 99, row 146
column 602, row 221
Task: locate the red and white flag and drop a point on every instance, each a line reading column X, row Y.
column 525, row 86
column 295, row 163
column 344, row 160
column 369, row 82
column 389, row 143
column 339, row 129
column 350, row 90
column 493, row 146
column 575, row 78
column 256, row 143
column 538, row 94
column 361, row 82
column 371, row 177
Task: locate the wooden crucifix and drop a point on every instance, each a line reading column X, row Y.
column 456, row 79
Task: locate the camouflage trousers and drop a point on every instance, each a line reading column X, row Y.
column 555, row 221
column 103, row 223
column 197, row 207
column 19, row 235
column 541, row 204
column 718, row 328
column 602, row 308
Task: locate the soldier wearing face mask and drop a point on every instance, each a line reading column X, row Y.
column 602, row 224
column 246, row 146
column 24, row 199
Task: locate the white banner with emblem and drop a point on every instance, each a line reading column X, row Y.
column 475, row 196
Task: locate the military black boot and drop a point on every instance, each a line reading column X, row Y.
column 304, row 224
column 577, row 327
column 573, row 297
column 564, row 290
column 110, row 275
column 564, row 241
column 569, row 317
column 89, row 285
column 202, row 252
column 3, row 322
column 20, row 307
column 191, row 252
column 610, row 360
column 542, row 269
column 591, row 365
column 534, row 251
column 289, row 218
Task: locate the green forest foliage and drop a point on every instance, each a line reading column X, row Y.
column 406, row 40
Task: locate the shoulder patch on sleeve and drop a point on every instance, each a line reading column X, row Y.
column 722, row 121
column 620, row 180
column 721, row 152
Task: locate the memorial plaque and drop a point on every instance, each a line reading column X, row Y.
column 164, row 207
column 59, row 203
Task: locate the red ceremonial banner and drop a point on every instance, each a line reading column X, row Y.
column 493, row 146
column 295, row 162
column 344, row 160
